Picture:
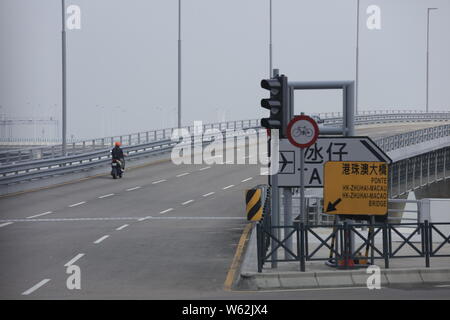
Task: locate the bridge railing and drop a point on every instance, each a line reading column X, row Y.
column 90, row 145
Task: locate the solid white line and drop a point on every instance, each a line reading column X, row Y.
column 208, row 194
column 39, row 215
column 159, row 181
column 186, row 202
column 247, row 179
column 106, row 196
column 122, row 227
column 312, row 289
column 183, row 174
column 35, row 287
column 101, row 239
column 5, row 224
column 442, row 286
column 77, row 204
column 204, row 168
column 78, row 256
column 228, row 187
column 135, row 188
column 167, row 210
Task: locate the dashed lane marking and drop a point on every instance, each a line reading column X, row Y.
column 77, row 257
column 106, row 195
column 5, row 224
column 101, row 239
column 248, row 179
column 120, row 219
column 35, row 287
column 165, row 211
column 134, row 188
column 204, row 168
column 208, row 194
column 122, row 227
column 228, row 187
column 183, row 174
column 77, row 204
column 40, row 215
column 187, row 202
column 159, row 181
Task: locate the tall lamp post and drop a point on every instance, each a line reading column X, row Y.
column 179, row 63
column 428, row 47
column 64, row 91
column 357, row 58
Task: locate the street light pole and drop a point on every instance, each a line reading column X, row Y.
column 357, row 58
column 179, row 63
column 64, row 77
column 428, row 47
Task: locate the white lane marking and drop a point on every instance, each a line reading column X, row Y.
column 186, row 202
column 442, row 286
column 40, row 214
column 208, row 194
column 165, row 211
column 78, row 256
column 122, row 227
column 245, row 180
column 183, row 174
column 77, row 204
column 35, row 287
column 106, row 195
column 159, row 181
column 5, row 224
column 101, row 239
column 228, row 187
column 131, row 189
column 142, row 219
column 204, row 168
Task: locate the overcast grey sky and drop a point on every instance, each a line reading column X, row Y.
column 123, row 61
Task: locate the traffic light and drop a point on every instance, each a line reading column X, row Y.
column 277, row 103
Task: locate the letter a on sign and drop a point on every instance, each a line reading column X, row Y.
column 374, row 19
column 73, row 21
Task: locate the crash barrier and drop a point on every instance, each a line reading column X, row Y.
column 329, row 119
column 340, row 253
column 30, row 170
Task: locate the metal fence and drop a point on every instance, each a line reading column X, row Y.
column 338, row 250
column 88, row 145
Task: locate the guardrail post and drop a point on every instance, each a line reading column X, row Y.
column 427, row 246
column 259, row 248
column 385, row 245
column 301, row 234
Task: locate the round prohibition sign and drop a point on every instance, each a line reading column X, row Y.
column 302, row 131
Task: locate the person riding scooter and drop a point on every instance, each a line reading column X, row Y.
column 117, row 156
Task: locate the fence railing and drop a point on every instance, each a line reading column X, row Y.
column 336, row 250
column 82, row 146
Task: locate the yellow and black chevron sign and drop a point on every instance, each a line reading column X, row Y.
column 254, row 207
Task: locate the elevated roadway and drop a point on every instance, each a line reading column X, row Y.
column 161, row 232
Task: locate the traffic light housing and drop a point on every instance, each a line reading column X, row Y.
column 277, row 103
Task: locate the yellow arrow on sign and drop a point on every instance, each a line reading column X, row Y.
column 356, row 188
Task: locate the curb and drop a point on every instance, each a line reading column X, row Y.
column 333, row 279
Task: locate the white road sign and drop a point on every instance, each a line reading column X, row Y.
column 325, row 149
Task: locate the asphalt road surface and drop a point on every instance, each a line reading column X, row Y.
column 161, row 232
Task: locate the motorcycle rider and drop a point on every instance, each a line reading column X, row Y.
column 117, row 154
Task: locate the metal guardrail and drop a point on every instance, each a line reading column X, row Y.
column 30, row 170
column 58, row 165
column 432, row 241
column 83, row 146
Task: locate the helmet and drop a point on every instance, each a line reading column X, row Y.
column 117, row 144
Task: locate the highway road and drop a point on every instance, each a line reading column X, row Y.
column 161, row 232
